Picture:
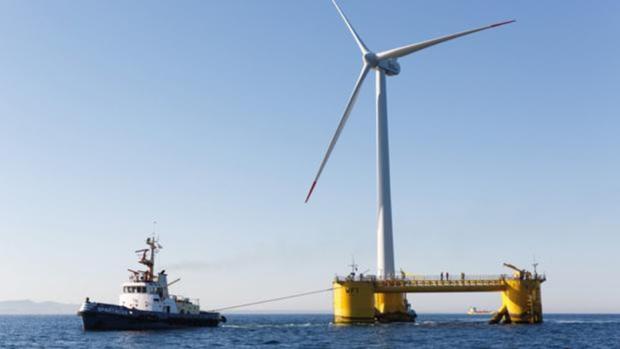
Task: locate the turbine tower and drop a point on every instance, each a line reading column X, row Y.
column 384, row 64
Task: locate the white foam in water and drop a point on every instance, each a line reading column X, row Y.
column 584, row 321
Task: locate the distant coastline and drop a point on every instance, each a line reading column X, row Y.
column 29, row 307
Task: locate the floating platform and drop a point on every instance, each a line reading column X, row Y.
column 365, row 299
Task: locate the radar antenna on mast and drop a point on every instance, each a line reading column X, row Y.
column 148, row 259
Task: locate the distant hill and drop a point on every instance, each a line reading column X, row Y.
column 28, row 307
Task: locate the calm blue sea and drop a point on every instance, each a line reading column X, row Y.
column 315, row 331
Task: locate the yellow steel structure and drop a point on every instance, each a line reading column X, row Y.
column 521, row 302
column 354, row 301
column 359, row 299
column 392, row 307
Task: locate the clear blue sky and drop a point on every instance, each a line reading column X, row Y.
column 212, row 117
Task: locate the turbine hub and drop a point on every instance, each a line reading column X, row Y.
column 390, row 66
column 370, row 58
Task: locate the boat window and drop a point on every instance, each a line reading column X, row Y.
column 142, row 289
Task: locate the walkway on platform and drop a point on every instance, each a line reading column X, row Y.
column 436, row 283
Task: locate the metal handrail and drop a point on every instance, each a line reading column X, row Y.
column 180, row 298
column 454, row 277
column 450, row 278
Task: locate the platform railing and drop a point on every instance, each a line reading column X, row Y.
column 445, row 279
column 453, row 277
column 409, row 277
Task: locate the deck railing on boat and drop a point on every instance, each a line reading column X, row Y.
column 179, row 298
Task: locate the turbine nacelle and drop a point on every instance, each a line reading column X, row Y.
column 390, row 66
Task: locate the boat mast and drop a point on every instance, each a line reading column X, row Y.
column 149, row 262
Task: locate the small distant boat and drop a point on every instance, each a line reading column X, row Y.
column 145, row 303
column 476, row 311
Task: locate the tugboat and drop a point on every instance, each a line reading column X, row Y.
column 145, row 303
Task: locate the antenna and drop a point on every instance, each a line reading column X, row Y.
column 353, row 265
column 534, row 264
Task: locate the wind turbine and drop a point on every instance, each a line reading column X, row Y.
column 384, row 63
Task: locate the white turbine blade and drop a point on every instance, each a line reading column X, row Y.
column 343, row 121
column 405, row 50
column 357, row 38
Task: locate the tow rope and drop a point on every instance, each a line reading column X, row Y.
column 274, row 299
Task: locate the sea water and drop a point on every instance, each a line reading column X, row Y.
column 316, row 331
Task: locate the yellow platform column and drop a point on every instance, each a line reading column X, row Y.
column 354, row 302
column 522, row 301
column 392, row 307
